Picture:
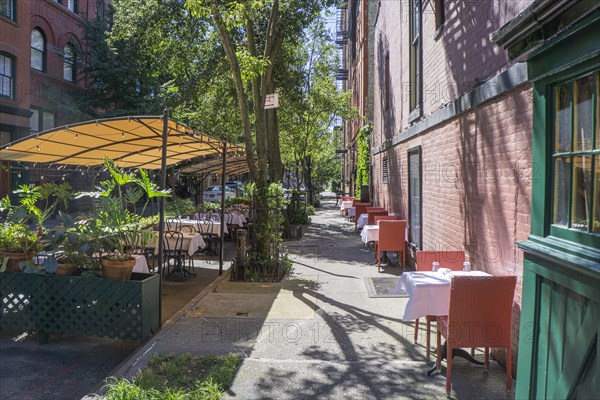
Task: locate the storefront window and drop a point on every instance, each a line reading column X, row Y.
column 576, row 154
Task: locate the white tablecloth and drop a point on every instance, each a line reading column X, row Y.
column 236, row 218
column 191, row 242
column 370, row 233
column 362, row 220
column 428, row 292
column 141, row 265
column 346, row 204
column 216, row 226
column 351, row 212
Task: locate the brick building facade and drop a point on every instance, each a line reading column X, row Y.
column 451, row 145
column 40, row 69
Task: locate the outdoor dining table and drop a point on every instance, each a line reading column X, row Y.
column 346, row 205
column 362, row 220
column 370, row 233
column 237, row 218
column 215, row 230
column 428, row 291
column 191, row 242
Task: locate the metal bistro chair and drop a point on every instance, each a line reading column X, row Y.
column 205, row 227
column 173, row 250
column 479, row 315
column 451, row 259
column 173, row 224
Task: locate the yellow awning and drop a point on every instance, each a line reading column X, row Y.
column 130, row 141
column 236, row 165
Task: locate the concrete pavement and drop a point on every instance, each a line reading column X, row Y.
column 317, row 334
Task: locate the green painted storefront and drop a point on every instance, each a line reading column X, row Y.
column 558, row 356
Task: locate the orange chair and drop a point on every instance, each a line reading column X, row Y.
column 372, row 214
column 391, row 238
column 375, row 209
column 452, row 259
column 484, row 305
column 384, row 218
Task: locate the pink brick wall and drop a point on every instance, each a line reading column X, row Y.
column 476, row 172
column 476, row 184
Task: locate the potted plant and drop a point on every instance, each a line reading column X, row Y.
column 35, row 205
column 17, row 242
column 71, row 244
column 116, row 223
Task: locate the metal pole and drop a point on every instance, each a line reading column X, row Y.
column 223, row 208
column 161, row 208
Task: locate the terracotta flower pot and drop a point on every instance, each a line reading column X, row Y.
column 117, row 269
column 65, row 269
column 14, row 259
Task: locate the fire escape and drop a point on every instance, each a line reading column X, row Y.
column 341, row 39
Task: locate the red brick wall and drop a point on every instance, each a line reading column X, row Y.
column 476, row 167
column 476, row 185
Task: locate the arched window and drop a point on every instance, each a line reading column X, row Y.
column 7, row 76
column 69, row 72
column 38, row 50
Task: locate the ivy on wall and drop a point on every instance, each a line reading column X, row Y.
column 364, row 157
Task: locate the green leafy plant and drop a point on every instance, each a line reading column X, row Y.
column 36, row 204
column 178, row 207
column 72, row 241
column 116, row 223
column 177, row 377
column 364, row 157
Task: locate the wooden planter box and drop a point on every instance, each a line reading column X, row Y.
column 74, row 305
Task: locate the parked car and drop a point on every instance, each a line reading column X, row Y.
column 237, row 187
column 213, row 193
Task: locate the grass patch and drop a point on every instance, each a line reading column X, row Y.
column 177, row 377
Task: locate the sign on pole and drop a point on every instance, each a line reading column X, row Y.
column 272, row 101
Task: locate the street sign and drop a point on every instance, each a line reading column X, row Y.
column 272, row 101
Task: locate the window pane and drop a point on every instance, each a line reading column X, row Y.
column 582, row 190
column 597, row 112
column 7, row 9
column 37, row 60
column 596, row 226
column 582, row 138
column 563, row 118
column 562, row 180
column 34, row 121
column 47, row 120
column 37, row 40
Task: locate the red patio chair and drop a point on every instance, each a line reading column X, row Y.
column 372, row 214
column 378, row 218
column 479, row 303
column 391, row 238
column 452, row 259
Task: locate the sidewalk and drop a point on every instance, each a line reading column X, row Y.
column 318, row 334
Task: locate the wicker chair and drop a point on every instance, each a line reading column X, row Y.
column 391, row 238
column 479, row 315
column 384, row 218
column 452, row 259
column 372, row 214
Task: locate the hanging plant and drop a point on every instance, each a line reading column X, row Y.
column 364, row 157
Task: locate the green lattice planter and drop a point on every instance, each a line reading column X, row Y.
column 72, row 305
